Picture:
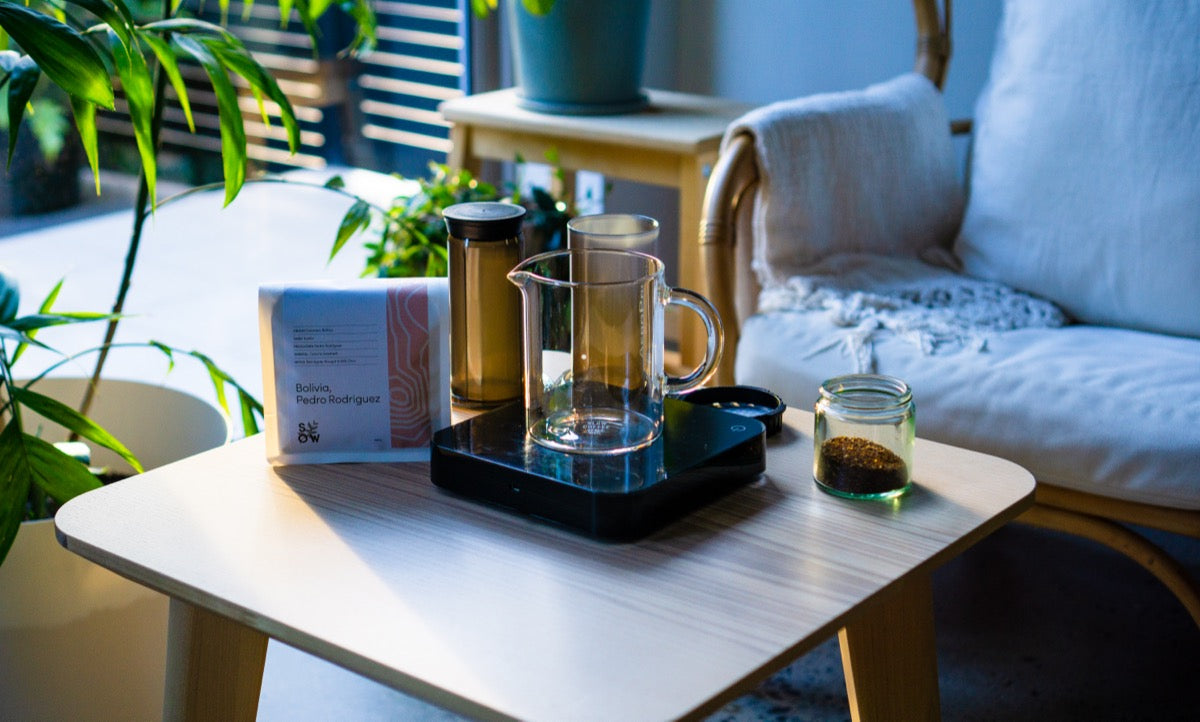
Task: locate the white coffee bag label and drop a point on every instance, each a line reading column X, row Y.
column 356, row 371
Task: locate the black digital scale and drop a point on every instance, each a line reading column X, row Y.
column 702, row 454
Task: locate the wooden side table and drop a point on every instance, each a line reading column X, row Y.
column 497, row 616
column 672, row 143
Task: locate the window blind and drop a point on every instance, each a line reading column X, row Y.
column 420, row 61
column 377, row 112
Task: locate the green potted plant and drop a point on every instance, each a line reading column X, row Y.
column 47, row 156
column 81, row 51
column 412, row 239
column 84, row 47
column 57, row 608
column 577, row 57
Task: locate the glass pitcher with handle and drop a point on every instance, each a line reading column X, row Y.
column 593, row 329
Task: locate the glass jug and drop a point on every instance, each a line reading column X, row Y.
column 593, row 333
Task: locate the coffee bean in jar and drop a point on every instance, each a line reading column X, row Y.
column 863, row 437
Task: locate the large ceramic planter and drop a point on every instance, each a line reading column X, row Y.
column 583, row 57
column 78, row 642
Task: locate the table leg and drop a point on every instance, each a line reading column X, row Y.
column 462, row 155
column 214, row 666
column 889, row 655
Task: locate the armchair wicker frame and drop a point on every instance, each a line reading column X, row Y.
column 732, row 288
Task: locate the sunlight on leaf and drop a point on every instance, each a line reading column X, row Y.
column 168, row 62
column 61, row 53
column 356, row 219
column 233, row 132
column 249, row 407
column 240, row 61
column 139, row 93
column 72, row 420
column 85, row 122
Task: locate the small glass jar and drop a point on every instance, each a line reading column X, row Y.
column 484, row 244
column 864, row 435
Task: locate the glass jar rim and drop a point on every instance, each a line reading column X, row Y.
column 866, row 391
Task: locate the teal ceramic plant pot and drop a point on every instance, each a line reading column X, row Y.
column 584, row 57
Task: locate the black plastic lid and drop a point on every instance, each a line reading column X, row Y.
column 752, row 401
column 484, row 220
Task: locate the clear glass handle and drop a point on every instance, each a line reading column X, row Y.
column 716, row 339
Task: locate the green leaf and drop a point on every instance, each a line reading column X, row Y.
column 48, row 301
column 43, row 320
column 262, row 107
column 365, row 25
column 55, row 472
column 356, row 219
column 15, row 479
column 239, row 60
column 22, row 79
column 72, row 420
column 85, row 122
column 6, row 332
column 217, row 376
column 482, row 7
column 49, row 126
column 47, row 304
column 62, row 54
column 336, row 183
column 308, row 21
column 170, row 65
column 317, row 8
column 113, row 12
column 168, row 351
column 285, row 10
column 138, row 85
column 190, row 26
column 538, row 7
column 249, row 407
column 233, row 133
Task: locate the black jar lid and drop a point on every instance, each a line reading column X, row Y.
column 752, row 401
column 484, row 220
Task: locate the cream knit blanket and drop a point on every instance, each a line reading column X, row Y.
column 865, row 171
column 937, row 309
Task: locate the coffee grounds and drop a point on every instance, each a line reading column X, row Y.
column 859, row 466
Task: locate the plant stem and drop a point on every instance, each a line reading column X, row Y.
column 139, row 220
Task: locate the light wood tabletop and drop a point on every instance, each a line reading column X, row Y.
column 496, row 616
column 673, row 122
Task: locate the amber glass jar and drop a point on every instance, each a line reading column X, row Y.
column 864, row 436
column 485, row 309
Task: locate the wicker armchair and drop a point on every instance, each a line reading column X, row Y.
column 1093, row 511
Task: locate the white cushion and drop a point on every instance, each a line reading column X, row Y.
column 1085, row 186
column 1109, row 411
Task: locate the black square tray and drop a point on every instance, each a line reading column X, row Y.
column 702, row 454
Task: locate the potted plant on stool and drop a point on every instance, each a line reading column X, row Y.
column 578, row 57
